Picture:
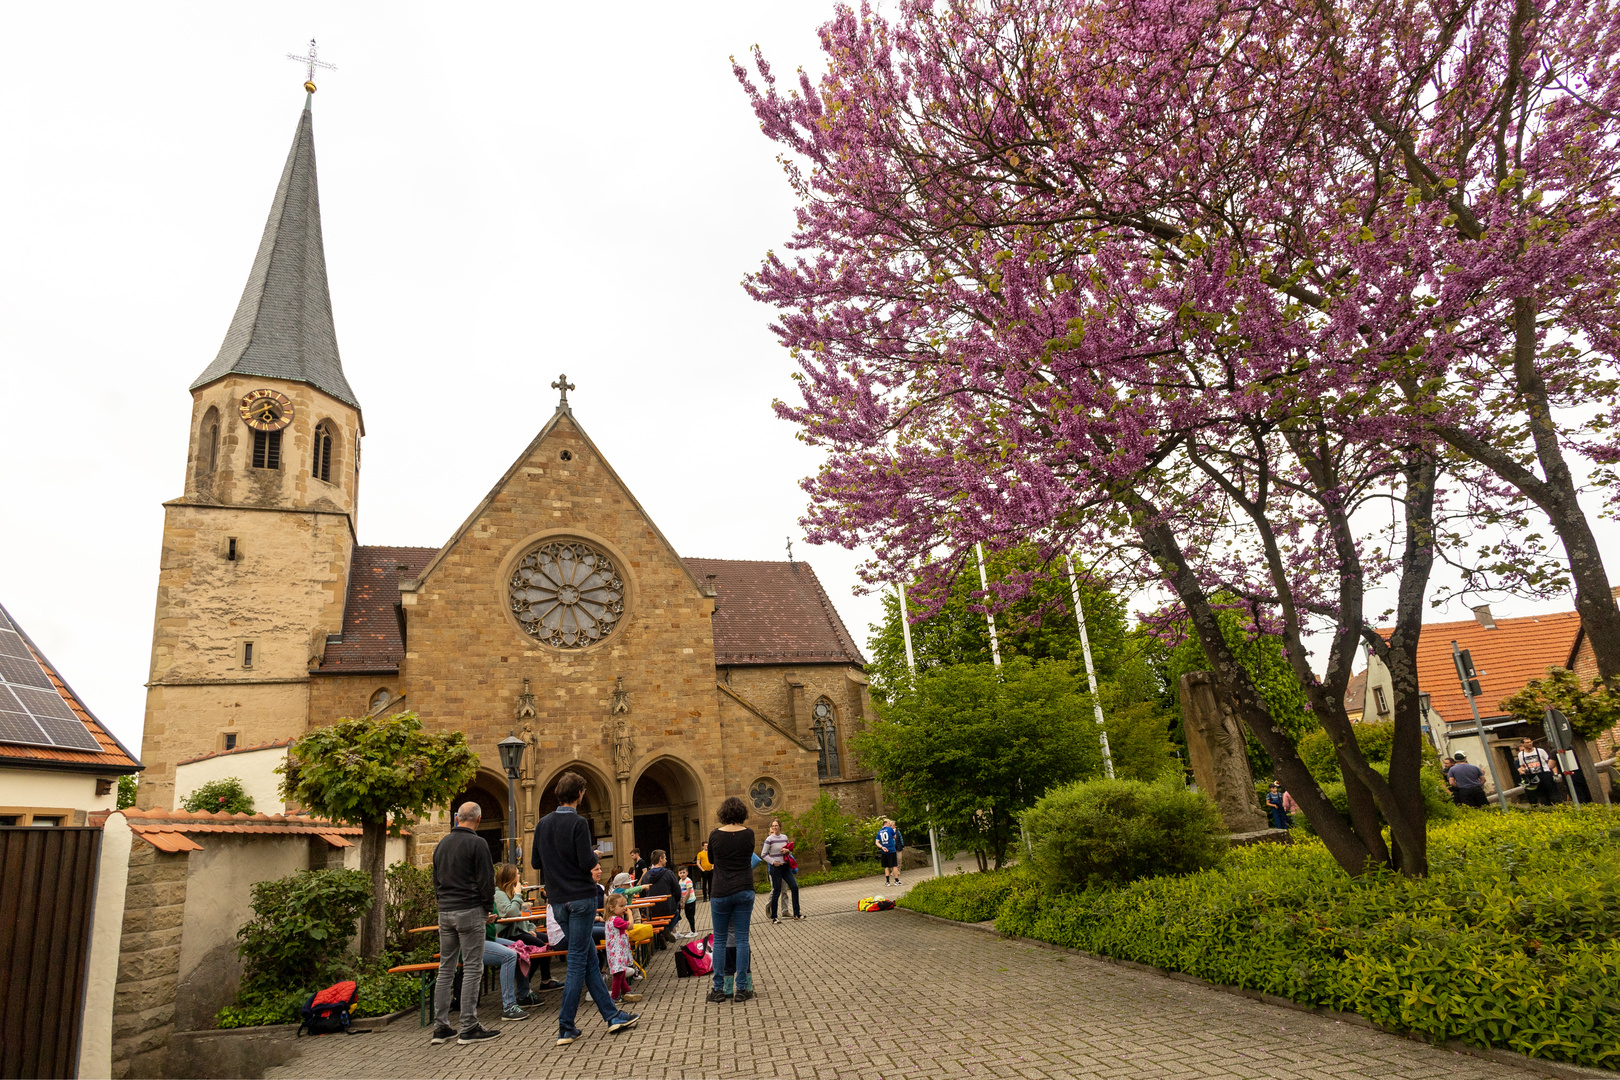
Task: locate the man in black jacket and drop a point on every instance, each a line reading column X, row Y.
column 564, row 856
column 464, row 884
column 661, row 881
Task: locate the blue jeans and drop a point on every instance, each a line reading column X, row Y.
column 506, row 958
column 731, row 913
column 578, row 918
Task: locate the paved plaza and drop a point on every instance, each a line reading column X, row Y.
column 894, row 994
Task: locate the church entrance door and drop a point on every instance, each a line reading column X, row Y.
column 489, row 793
column 652, row 834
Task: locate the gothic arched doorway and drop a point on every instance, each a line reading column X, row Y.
column 668, row 807
column 596, row 806
column 489, row 791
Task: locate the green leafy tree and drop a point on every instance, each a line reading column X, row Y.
column 126, row 791
column 1591, row 710
column 974, row 748
column 377, row 774
column 223, row 796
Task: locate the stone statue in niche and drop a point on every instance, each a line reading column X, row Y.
column 1219, row 760
column 526, row 709
column 624, row 748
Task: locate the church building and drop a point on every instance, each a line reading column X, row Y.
column 557, row 611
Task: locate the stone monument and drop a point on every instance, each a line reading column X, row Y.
column 1219, row 761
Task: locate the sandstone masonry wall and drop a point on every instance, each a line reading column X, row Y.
column 148, row 962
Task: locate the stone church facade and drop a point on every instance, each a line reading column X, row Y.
column 557, row 612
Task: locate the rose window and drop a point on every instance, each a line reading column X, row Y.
column 567, row 594
column 763, row 793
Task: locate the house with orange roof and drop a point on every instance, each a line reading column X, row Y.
column 58, row 763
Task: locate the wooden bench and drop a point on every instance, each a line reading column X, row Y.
column 428, row 974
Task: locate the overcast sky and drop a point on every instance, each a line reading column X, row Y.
column 507, row 192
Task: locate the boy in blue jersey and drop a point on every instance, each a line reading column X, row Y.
column 890, row 844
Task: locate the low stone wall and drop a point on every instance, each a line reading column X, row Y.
column 148, row 962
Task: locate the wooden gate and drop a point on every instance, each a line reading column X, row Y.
column 47, row 893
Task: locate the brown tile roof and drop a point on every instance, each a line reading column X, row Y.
column 774, row 613
column 371, row 643
column 171, row 830
column 1506, row 658
column 234, row 750
column 114, row 756
column 1355, row 695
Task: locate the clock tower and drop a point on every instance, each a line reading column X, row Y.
column 256, row 552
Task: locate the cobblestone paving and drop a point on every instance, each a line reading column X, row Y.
column 891, row 995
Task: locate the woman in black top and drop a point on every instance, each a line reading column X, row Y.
column 731, row 903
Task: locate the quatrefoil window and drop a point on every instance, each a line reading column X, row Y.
column 567, row 594
column 763, row 793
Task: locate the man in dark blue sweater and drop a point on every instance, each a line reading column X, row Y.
column 564, row 857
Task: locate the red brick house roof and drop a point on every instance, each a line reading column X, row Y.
column 114, row 757
column 168, row 830
column 1506, row 658
column 235, row 750
column 371, row 642
column 773, row 613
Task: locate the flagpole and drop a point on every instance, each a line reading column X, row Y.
column 911, row 665
column 995, row 654
column 1091, row 671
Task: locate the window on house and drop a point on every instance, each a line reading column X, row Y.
column 321, row 466
column 826, row 740
column 380, row 698
column 267, row 449
column 230, row 550
column 1379, row 703
column 230, row 740
column 208, row 443
column 49, row 822
column 247, row 654
column 10, row 821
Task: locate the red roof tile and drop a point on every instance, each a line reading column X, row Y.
column 1355, row 695
column 371, row 642
column 235, row 750
column 171, row 830
column 1506, row 658
column 113, row 758
column 773, row 613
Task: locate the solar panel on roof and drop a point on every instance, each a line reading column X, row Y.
column 32, row 712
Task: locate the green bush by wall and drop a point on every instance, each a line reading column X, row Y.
column 1094, row 832
column 1513, row 940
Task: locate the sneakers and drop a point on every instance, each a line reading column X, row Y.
column 478, row 1034
column 744, row 989
column 719, row 995
column 443, row 1033
column 797, row 918
column 623, row 1022
column 550, row 984
column 514, row 1013
column 741, row 996
column 631, row 998
column 566, row 1039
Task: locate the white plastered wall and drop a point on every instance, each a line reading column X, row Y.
column 51, row 789
column 255, row 768
column 106, row 940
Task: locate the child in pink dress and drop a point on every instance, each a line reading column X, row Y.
column 618, row 946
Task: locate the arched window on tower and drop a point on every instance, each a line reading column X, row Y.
column 208, row 443
column 267, row 449
column 321, row 465
column 826, row 739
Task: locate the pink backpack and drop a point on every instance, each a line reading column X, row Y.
column 695, row 958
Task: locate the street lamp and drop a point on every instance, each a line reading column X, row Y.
column 511, row 749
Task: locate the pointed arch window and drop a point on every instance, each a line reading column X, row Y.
column 826, row 727
column 208, row 443
column 321, row 466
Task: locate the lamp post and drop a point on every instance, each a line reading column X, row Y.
column 511, row 749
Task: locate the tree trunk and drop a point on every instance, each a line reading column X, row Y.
column 374, row 861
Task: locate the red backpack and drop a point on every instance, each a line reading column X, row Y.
column 695, row 958
column 327, row 1012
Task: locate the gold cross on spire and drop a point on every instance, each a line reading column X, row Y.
column 311, row 62
column 564, row 385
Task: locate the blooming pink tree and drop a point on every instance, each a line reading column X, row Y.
column 1120, row 277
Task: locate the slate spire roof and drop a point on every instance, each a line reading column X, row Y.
column 283, row 324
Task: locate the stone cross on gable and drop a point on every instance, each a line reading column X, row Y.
column 564, row 385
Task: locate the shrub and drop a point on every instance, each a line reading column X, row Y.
column 1096, row 831
column 301, row 926
column 964, row 897
column 379, row 994
column 1437, row 804
column 219, row 796
column 411, row 902
column 126, row 791
column 1513, row 940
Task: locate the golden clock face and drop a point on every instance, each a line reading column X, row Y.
column 266, row 410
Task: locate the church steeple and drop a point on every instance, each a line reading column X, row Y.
column 283, row 325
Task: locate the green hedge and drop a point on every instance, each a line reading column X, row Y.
column 1513, row 940
column 965, row 897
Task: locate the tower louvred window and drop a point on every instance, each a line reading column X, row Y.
column 267, row 449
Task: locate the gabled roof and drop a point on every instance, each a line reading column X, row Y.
column 774, row 613
column 114, row 757
column 371, row 643
column 283, row 325
column 171, row 830
column 1506, row 658
column 1355, row 695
